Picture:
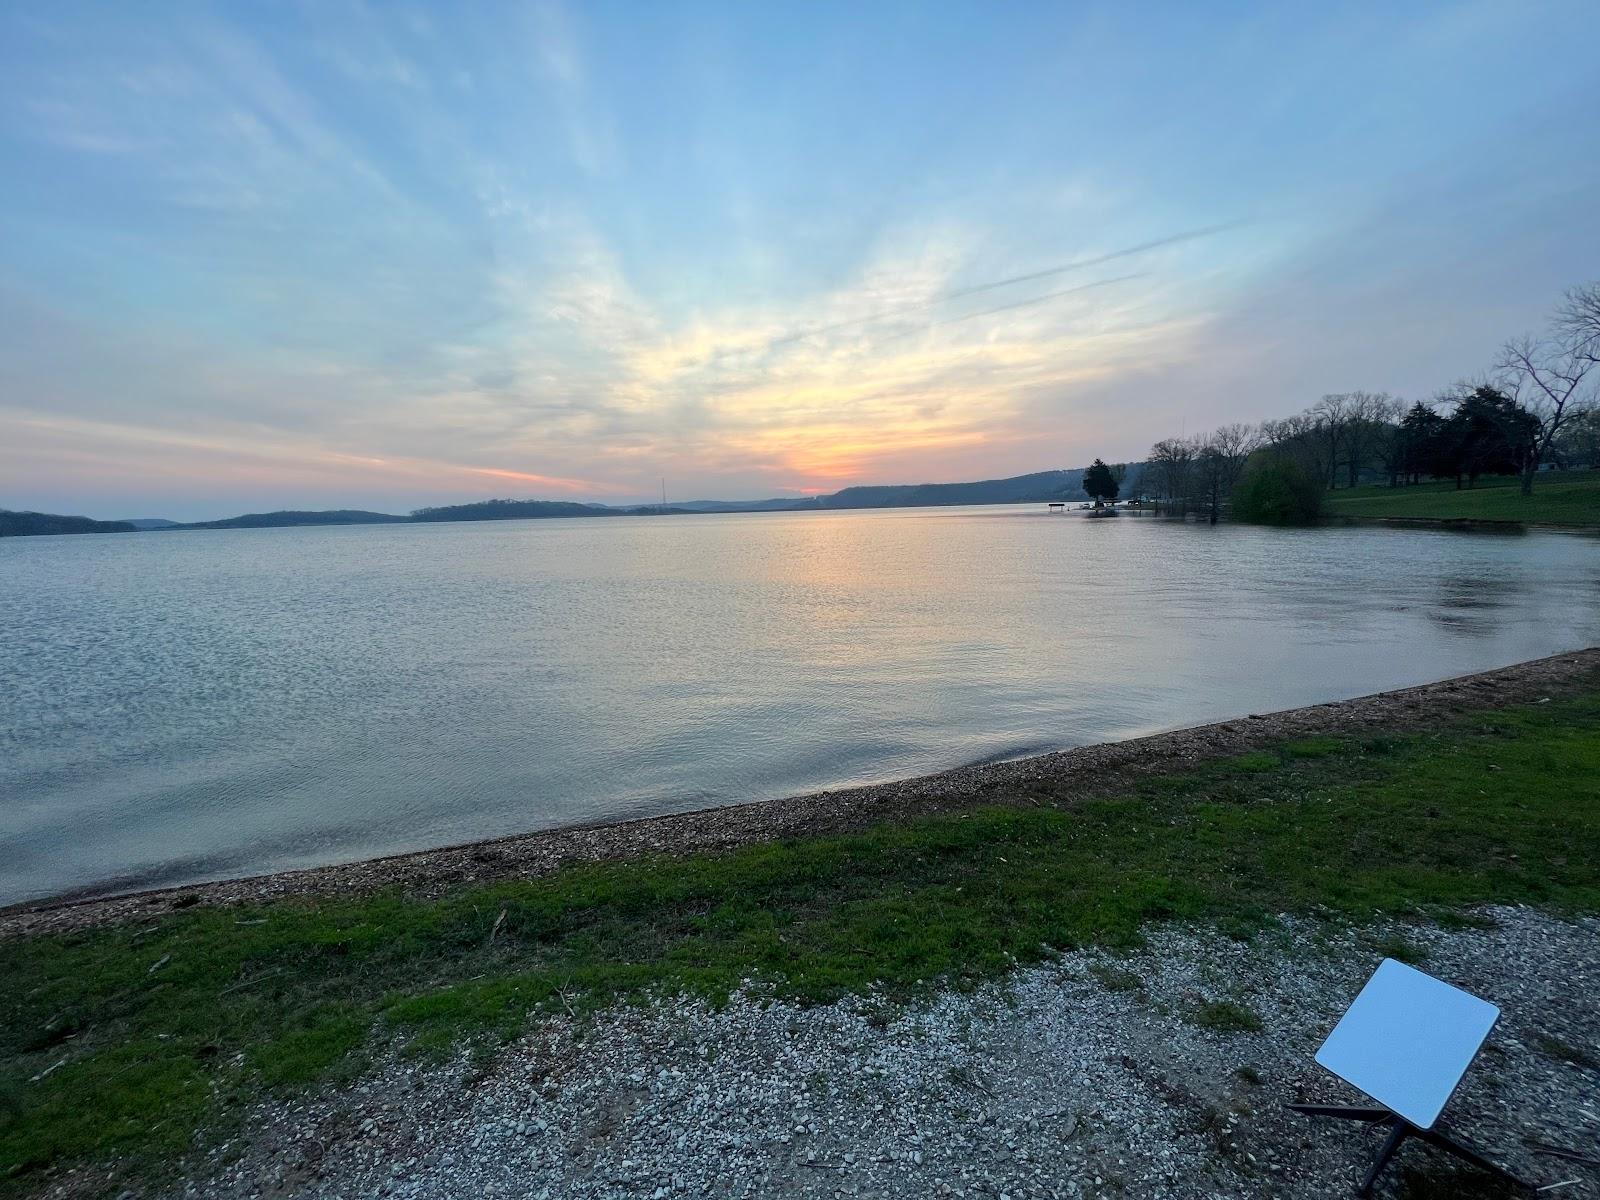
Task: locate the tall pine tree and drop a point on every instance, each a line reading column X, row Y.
column 1099, row 482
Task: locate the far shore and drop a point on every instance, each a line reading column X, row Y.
column 1087, row 771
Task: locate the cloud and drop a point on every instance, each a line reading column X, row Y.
column 732, row 387
column 1014, row 280
column 215, row 458
column 554, row 248
column 589, row 130
column 76, row 127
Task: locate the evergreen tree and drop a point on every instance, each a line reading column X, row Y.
column 1421, row 431
column 1099, row 482
column 1488, row 434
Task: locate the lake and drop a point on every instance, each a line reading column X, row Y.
column 192, row 705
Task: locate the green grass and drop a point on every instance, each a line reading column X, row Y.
column 1566, row 1051
column 1225, row 1016
column 1115, row 979
column 1559, row 498
column 119, row 1045
column 1399, row 948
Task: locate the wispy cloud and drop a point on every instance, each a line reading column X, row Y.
column 410, row 252
column 1082, row 264
column 588, row 126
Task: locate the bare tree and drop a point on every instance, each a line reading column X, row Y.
column 1303, row 440
column 1334, row 416
column 1208, row 476
column 1390, row 445
column 1367, row 417
column 1579, row 442
column 1550, row 378
column 1170, row 470
column 1578, row 321
column 1234, row 444
column 1219, row 461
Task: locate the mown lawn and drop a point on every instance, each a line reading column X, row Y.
column 127, row 1044
column 1559, row 498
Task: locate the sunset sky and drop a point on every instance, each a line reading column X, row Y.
column 382, row 255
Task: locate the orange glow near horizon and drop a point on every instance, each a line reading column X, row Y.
column 726, row 408
column 567, row 485
column 839, row 455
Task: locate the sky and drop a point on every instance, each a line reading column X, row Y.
column 382, row 255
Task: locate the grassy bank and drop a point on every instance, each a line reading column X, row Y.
column 121, row 1043
column 1559, row 498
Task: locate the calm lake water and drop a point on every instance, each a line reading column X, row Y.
column 182, row 706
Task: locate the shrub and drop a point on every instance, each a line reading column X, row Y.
column 1278, row 493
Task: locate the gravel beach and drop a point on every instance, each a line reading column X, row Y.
column 1094, row 1075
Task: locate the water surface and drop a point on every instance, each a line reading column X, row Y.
column 181, row 706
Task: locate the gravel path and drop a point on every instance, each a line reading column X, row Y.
column 1091, row 1076
column 1082, row 772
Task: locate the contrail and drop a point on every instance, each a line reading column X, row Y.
column 988, row 312
column 1082, row 287
column 1080, row 264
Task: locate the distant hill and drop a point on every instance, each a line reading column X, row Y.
column 29, row 524
column 272, row 520
column 780, row 504
column 1037, row 488
column 514, row 510
column 1042, row 485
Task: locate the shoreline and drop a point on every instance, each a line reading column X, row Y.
column 1464, row 524
column 1142, row 939
column 1090, row 770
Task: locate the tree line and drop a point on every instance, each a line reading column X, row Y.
column 1537, row 406
column 25, row 524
